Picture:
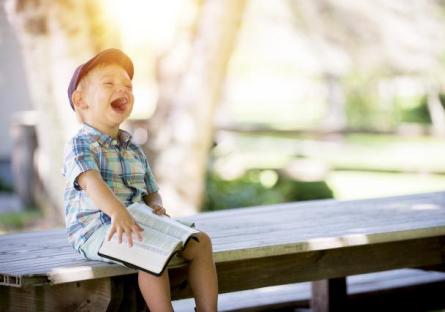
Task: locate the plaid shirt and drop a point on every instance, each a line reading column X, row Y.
column 122, row 165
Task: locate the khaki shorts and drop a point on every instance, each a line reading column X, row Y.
column 90, row 248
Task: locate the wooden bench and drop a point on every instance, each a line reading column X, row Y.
column 320, row 241
column 394, row 290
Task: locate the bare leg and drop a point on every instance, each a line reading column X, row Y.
column 156, row 291
column 202, row 273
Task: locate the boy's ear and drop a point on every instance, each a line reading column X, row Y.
column 77, row 99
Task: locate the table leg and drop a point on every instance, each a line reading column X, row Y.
column 329, row 295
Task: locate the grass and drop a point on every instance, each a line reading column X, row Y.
column 366, row 152
column 358, row 166
column 421, row 154
column 16, row 221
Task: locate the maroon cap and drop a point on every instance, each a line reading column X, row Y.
column 112, row 56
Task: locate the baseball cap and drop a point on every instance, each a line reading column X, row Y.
column 112, row 56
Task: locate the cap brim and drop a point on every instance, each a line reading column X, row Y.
column 112, row 56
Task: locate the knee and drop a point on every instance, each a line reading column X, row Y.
column 204, row 241
column 197, row 248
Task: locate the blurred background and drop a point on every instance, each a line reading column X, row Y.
column 238, row 103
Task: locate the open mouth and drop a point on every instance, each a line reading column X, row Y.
column 119, row 104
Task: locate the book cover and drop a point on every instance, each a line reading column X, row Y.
column 163, row 237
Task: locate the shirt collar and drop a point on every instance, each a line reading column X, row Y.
column 123, row 137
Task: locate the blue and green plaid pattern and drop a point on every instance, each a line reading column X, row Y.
column 122, row 165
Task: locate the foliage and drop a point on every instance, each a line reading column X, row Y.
column 417, row 113
column 13, row 221
column 361, row 99
column 248, row 190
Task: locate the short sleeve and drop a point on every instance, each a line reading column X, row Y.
column 149, row 179
column 79, row 157
column 150, row 182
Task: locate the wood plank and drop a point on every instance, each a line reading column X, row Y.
column 74, row 270
column 363, row 287
column 349, row 223
column 278, row 253
column 261, row 224
column 267, row 248
column 94, row 295
column 58, row 275
column 42, row 261
column 316, row 265
column 423, row 200
column 335, row 225
column 390, row 205
column 40, row 255
column 64, row 274
column 347, row 238
column 332, row 224
column 329, row 228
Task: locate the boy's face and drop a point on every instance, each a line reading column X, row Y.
column 106, row 97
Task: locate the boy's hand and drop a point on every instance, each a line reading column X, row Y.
column 123, row 223
column 158, row 209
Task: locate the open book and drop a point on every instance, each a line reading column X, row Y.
column 163, row 237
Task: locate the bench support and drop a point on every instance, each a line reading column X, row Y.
column 125, row 294
column 329, row 295
column 93, row 295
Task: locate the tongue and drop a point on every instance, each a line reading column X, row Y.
column 119, row 104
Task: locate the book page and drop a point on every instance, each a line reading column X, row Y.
column 152, row 253
column 162, row 236
column 145, row 217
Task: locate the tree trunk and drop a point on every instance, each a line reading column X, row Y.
column 436, row 110
column 55, row 36
column 182, row 126
column 335, row 119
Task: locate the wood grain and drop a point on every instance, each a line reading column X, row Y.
column 255, row 247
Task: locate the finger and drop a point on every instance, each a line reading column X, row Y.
column 111, row 233
column 138, row 232
column 130, row 238
column 119, row 235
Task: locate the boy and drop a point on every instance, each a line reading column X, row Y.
column 105, row 172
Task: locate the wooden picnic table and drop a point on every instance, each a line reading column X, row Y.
column 322, row 241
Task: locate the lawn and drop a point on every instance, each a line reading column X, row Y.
column 354, row 166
